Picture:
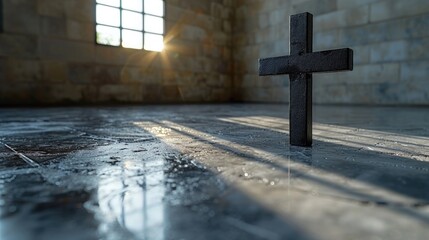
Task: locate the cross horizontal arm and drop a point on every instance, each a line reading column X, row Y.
column 325, row 61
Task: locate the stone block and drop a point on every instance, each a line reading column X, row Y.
column 251, row 80
column 273, row 81
column 415, row 71
column 51, row 8
column 389, row 51
column 131, row 75
column 151, row 93
column 176, row 14
column 120, row 93
column 53, row 26
column 16, row 94
column 388, row 93
column 194, row 94
column 370, row 74
column 201, row 65
column 278, row 16
column 184, row 78
column 225, row 81
column 360, row 35
column 385, row 10
column 226, row 13
column 18, row 45
column 177, row 47
column 361, row 94
column 148, row 76
column 170, row 78
column 220, row 94
column 170, row 94
column 344, row 18
column 331, row 94
column 20, row 16
column 267, row 35
column 361, row 54
column 67, row 50
column 22, row 70
column 190, row 32
column 265, row 6
column 270, row 49
column 398, row 29
column 3, row 68
column 81, row 73
column 315, row 7
column 224, row 67
column 326, row 40
column 226, row 27
column 323, row 79
column 54, row 71
column 58, row 94
column 250, row 24
column 206, row 22
column 418, row 93
column 221, row 38
column 228, row 3
column 263, row 20
column 90, row 93
column 120, row 56
column 80, row 10
column 418, row 24
column 345, row 4
column 80, row 31
column 106, row 75
column 418, row 49
column 211, row 50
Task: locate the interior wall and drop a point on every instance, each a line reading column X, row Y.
column 48, row 55
column 390, row 40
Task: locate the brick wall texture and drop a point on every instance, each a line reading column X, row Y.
column 390, row 39
column 48, row 53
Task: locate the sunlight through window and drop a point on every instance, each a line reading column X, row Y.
column 137, row 24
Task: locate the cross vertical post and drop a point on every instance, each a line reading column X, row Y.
column 301, row 84
column 300, row 65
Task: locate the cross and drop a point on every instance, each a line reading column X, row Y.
column 300, row 65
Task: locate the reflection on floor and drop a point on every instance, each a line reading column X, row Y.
column 213, row 172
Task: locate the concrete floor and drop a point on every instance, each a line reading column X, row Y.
column 213, row 172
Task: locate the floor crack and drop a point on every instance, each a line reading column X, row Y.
column 26, row 159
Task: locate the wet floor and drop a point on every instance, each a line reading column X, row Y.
column 213, row 172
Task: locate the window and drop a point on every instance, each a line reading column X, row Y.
column 134, row 24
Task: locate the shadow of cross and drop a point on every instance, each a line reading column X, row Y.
column 299, row 65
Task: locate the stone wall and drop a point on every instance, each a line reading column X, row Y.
column 390, row 39
column 48, row 55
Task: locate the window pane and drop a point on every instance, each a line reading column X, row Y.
column 153, row 42
column 132, row 20
column 114, row 3
column 135, row 5
column 132, row 39
column 108, row 15
column 153, row 24
column 154, row 7
column 108, row 35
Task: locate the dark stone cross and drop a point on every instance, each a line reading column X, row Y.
column 300, row 65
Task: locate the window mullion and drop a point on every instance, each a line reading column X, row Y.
column 151, row 41
column 120, row 23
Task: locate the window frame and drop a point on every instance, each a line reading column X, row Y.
column 120, row 24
